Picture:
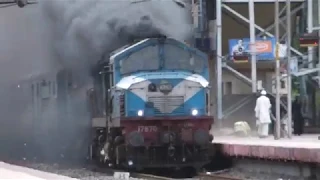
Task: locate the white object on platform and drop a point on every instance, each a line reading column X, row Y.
column 121, row 175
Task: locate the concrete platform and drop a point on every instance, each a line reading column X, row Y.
column 305, row 148
column 8, row 171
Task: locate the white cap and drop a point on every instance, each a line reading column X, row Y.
column 263, row 92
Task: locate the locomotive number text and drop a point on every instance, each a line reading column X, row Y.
column 147, row 129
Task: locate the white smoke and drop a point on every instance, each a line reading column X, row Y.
column 84, row 30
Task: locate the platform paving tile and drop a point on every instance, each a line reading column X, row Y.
column 303, row 149
column 9, row 171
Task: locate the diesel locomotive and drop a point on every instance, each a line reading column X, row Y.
column 155, row 106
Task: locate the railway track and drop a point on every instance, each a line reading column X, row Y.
column 201, row 176
column 204, row 176
column 149, row 176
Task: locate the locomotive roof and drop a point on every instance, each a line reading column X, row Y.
column 125, row 48
column 131, row 47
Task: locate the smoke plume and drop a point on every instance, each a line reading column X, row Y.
column 38, row 40
column 85, row 30
column 81, row 32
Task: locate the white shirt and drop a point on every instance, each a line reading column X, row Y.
column 262, row 109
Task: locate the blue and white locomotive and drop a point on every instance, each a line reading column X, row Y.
column 157, row 106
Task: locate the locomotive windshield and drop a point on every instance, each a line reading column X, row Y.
column 177, row 58
column 146, row 59
column 149, row 58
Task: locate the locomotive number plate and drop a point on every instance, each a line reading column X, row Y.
column 147, row 129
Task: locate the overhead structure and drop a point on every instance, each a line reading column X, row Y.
column 289, row 80
column 290, row 56
column 277, row 69
column 19, row 3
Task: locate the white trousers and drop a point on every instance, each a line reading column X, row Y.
column 263, row 129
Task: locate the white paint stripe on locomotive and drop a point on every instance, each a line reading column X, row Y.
column 178, row 90
column 126, row 49
column 127, row 82
column 199, row 79
column 141, row 92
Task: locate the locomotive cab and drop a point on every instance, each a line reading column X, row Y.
column 156, row 103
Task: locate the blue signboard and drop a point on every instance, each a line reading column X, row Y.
column 264, row 48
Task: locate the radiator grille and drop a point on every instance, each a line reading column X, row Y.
column 165, row 105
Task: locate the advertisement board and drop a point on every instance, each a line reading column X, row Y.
column 263, row 48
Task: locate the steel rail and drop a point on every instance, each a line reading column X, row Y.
column 204, row 176
column 199, row 176
column 149, row 176
column 111, row 171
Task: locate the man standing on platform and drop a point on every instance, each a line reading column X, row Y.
column 298, row 120
column 262, row 112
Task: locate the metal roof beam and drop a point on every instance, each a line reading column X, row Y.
column 256, row 26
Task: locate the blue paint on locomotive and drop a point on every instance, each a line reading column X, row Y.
column 134, row 103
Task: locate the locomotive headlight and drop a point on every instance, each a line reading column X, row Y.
column 140, row 113
column 194, row 112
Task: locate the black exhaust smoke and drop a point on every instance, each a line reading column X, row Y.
column 84, row 30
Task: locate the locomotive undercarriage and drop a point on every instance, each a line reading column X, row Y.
column 115, row 153
column 167, row 156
